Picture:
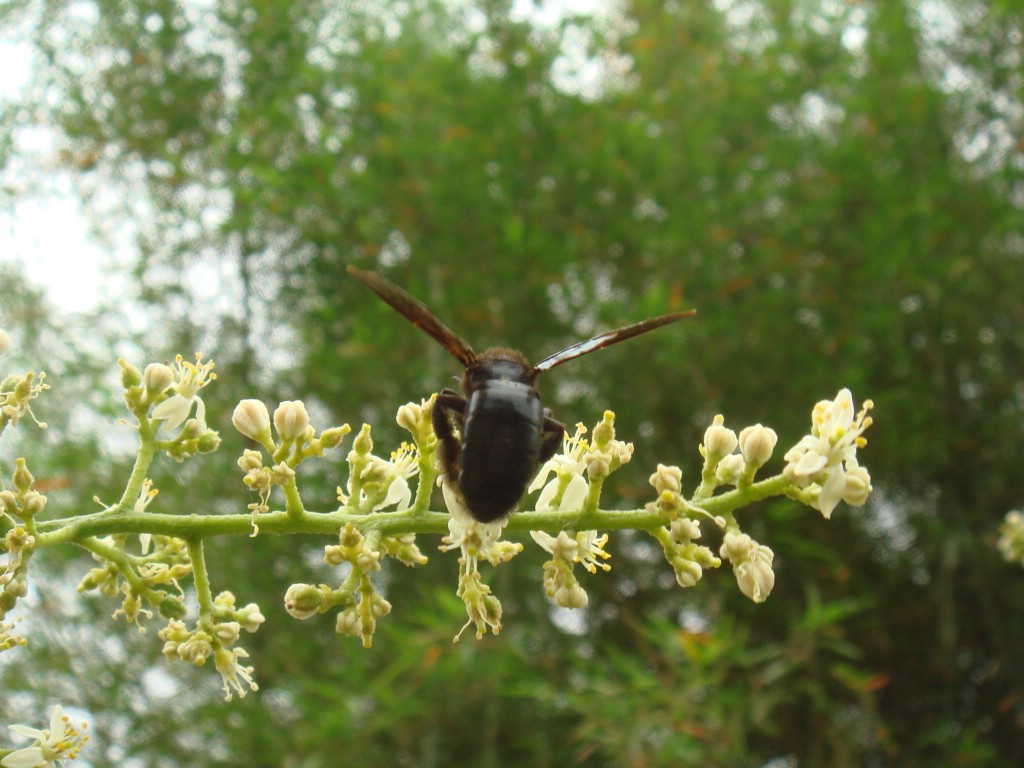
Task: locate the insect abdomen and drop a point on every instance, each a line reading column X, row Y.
column 500, row 447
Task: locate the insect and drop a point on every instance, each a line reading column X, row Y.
column 493, row 439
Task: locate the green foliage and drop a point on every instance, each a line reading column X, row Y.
column 834, row 186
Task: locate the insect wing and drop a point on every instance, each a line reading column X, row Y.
column 606, row 339
column 416, row 313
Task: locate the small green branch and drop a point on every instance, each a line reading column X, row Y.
column 123, row 562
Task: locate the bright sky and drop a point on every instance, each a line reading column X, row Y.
column 48, row 234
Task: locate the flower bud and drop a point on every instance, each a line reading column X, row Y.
column 5, row 341
column 252, row 419
column 172, row 607
column 14, row 590
column 380, row 607
column 303, row 600
column 9, row 502
column 251, row 617
column 208, row 442
column 363, row 444
column 729, row 469
column 756, row 444
column 408, row 416
column 667, row 479
column 688, row 572
column 684, row 530
column 571, row 596
column 157, row 378
column 291, row 420
column 22, row 477
column 130, row 375
column 858, row 486
column 719, row 441
column 33, row 503
column 227, row 632
column 347, row 622
column 751, row 564
column 604, row 431
column 250, row 460
column 331, row 438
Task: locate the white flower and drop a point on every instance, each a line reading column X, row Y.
column 236, row 677
column 824, row 456
column 60, row 742
column 189, row 378
column 5, row 341
column 403, row 465
column 585, row 547
column 384, row 483
column 563, row 547
column 569, row 461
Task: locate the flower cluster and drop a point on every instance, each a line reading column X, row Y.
column 722, row 465
column 688, row 559
column 161, row 561
column 374, row 485
column 361, row 604
column 18, row 510
column 296, row 442
column 215, row 634
column 821, row 470
column 586, row 548
column 162, row 398
column 580, row 470
column 475, row 541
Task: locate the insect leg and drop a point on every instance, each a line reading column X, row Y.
column 449, row 409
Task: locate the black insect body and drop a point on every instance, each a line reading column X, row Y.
column 493, row 440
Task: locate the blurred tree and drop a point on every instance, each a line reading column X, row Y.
column 835, row 186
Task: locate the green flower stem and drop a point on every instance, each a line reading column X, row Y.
column 147, row 451
column 708, row 480
column 425, row 487
column 593, row 495
column 292, row 500
column 196, row 527
column 138, row 476
column 201, row 578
